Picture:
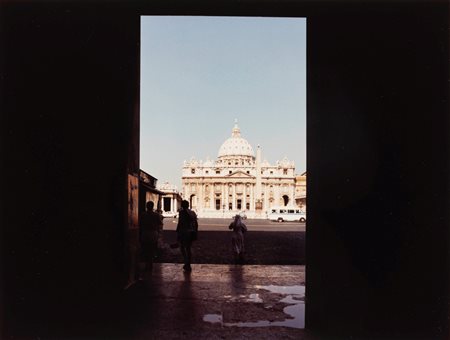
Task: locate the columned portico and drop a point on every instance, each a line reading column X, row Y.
column 170, row 199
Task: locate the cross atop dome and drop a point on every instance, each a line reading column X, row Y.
column 236, row 131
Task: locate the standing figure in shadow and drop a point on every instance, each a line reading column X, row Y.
column 149, row 228
column 187, row 229
column 237, row 239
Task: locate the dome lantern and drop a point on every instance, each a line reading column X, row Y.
column 236, row 131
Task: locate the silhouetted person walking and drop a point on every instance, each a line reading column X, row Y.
column 149, row 228
column 237, row 239
column 186, row 232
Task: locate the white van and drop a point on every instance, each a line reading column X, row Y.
column 282, row 214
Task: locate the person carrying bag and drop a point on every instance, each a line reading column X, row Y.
column 187, row 229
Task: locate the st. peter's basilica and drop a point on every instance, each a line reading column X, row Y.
column 238, row 181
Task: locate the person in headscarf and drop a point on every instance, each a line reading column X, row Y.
column 237, row 238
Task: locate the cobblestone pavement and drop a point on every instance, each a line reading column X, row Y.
column 219, row 302
column 261, row 247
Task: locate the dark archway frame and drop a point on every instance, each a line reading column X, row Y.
column 378, row 166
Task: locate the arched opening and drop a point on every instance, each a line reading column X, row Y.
column 240, row 181
column 193, row 201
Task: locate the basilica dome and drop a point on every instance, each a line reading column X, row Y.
column 236, row 145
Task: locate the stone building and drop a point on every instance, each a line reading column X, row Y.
column 170, row 199
column 148, row 191
column 300, row 191
column 238, row 180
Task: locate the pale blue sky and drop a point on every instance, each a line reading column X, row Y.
column 200, row 73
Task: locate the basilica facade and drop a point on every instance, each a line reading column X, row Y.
column 237, row 181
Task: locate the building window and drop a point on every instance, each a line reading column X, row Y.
column 192, row 171
column 229, row 163
column 230, row 171
column 230, row 206
column 236, row 163
column 218, row 172
column 239, row 204
column 284, row 171
column 247, row 206
column 271, row 172
column 207, row 171
column 217, row 204
column 248, row 172
column 261, row 172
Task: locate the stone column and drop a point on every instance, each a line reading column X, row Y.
column 197, row 193
column 258, row 173
column 201, row 200
column 234, row 196
column 252, row 198
column 226, row 196
column 222, row 201
column 212, row 197
column 292, row 200
column 266, row 197
column 244, row 196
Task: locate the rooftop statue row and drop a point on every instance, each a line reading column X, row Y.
column 236, row 150
column 285, row 163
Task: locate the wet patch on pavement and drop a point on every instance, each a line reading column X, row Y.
column 274, row 306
